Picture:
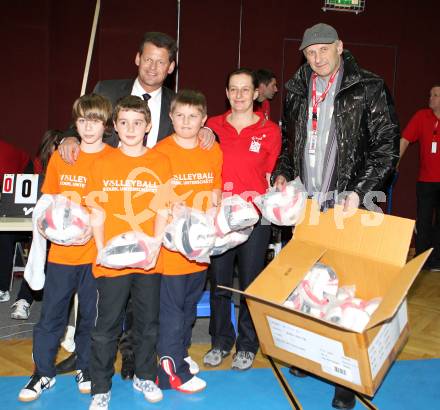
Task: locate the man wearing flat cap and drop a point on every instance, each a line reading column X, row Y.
column 340, row 129
column 340, row 132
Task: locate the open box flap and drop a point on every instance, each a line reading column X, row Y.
column 278, row 280
column 393, row 298
column 371, row 235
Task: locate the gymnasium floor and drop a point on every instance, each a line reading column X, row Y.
column 412, row 383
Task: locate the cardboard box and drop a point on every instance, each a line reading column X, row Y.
column 367, row 249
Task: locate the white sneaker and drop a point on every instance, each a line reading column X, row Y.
column 35, row 386
column 100, row 401
column 20, row 310
column 193, row 385
column 193, row 366
column 83, row 381
column 151, row 391
column 4, row 296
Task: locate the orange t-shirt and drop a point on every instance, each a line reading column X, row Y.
column 62, row 178
column 196, row 173
column 129, row 184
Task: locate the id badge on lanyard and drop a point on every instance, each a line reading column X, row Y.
column 315, row 102
column 313, row 142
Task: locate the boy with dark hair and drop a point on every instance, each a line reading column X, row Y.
column 69, row 268
column 127, row 180
column 197, row 177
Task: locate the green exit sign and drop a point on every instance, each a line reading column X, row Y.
column 354, row 6
column 343, row 2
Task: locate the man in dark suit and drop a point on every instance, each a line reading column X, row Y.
column 116, row 89
column 155, row 60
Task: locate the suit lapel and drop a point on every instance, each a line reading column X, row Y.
column 126, row 88
column 165, row 126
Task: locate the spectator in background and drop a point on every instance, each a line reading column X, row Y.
column 49, row 143
column 25, row 297
column 424, row 128
column 12, row 161
column 267, row 88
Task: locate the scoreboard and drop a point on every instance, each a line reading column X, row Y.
column 19, row 194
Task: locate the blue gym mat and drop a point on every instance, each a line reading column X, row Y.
column 409, row 385
column 227, row 389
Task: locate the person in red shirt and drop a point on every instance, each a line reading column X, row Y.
column 267, row 88
column 424, row 128
column 251, row 145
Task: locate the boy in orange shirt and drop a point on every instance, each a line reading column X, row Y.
column 69, row 268
column 126, row 181
column 197, row 177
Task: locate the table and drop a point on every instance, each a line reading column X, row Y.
column 10, row 224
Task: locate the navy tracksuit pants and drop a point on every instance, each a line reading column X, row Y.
column 250, row 257
column 179, row 295
column 113, row 293
column 62, row 281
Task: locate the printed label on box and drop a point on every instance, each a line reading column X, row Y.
column 327, row 352
column 385, row 340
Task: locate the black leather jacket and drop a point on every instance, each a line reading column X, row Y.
column 366, row 124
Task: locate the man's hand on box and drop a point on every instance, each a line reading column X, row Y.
column 351, row 201
column 280, row 183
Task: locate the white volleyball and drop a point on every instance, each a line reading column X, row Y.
column 129, row 250
column 235, row 214
column 318, row 283
column 64, row 221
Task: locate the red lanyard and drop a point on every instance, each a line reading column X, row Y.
column 435, row 131
column 316, row 101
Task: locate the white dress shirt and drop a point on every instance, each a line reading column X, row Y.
column 154, row 104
